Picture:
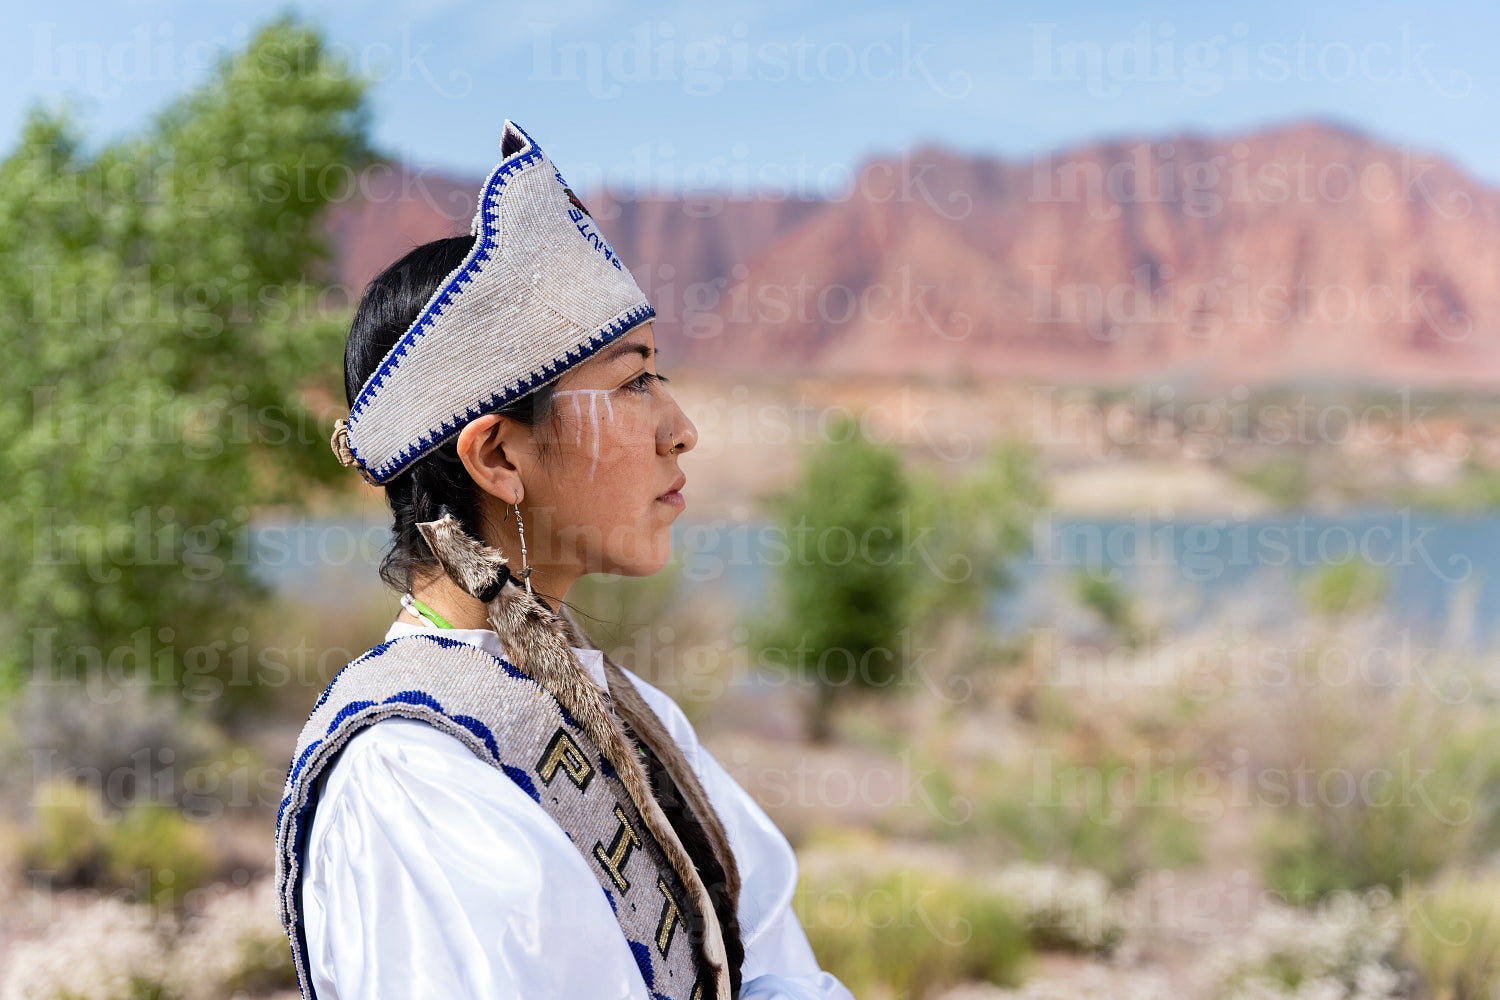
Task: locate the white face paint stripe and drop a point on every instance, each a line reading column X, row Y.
column 594, row 396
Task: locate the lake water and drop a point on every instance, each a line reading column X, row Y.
column 1440, row 569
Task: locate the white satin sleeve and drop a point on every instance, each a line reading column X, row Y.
column 429, row 873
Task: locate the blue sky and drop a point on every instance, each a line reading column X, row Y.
column 791, row 96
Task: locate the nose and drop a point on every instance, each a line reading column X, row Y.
column 677, row 434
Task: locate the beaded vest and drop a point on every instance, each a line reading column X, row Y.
column 511, row 721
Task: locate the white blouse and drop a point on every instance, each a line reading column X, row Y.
column 429, row 873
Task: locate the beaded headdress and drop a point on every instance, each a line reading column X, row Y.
column 541, row 291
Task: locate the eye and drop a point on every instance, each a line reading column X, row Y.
column 642, row 382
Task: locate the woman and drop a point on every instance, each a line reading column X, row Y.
column 485, row 805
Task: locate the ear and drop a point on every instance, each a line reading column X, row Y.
column 489, row 446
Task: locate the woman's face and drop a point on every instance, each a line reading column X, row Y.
column 601, row 491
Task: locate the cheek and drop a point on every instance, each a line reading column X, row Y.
column 603, row 433
column 585, row 420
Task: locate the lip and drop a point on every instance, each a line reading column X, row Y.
column 673, row 496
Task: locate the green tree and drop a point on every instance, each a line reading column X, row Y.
column 843, row 583
column 879, row 557
column 162, row 311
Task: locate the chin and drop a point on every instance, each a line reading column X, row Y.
column 642, row 568
column 646, row 554
column 644, row 565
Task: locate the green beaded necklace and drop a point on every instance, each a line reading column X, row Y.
column 431, row 615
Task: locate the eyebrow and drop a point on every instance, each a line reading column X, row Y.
column 620, row 350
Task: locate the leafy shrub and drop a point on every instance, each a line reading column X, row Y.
column 1339, row 951
column 1282, row 479
column 69, row 841
column 236, row 945
column 159, row 852
column 1061, row 908
column 109, row 951
column 123, row 737
column 148, row 849
column 1453, row 937
column 1090, row 982
column 1107, row 599
column 1345, row 588
column 908, row 933
column 1427, row 796
column 1114, row 816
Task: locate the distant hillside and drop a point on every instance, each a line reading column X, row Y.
column 1295, row 253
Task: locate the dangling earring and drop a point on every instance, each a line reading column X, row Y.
column 521, row 530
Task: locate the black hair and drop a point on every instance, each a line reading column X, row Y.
column 437, row 482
